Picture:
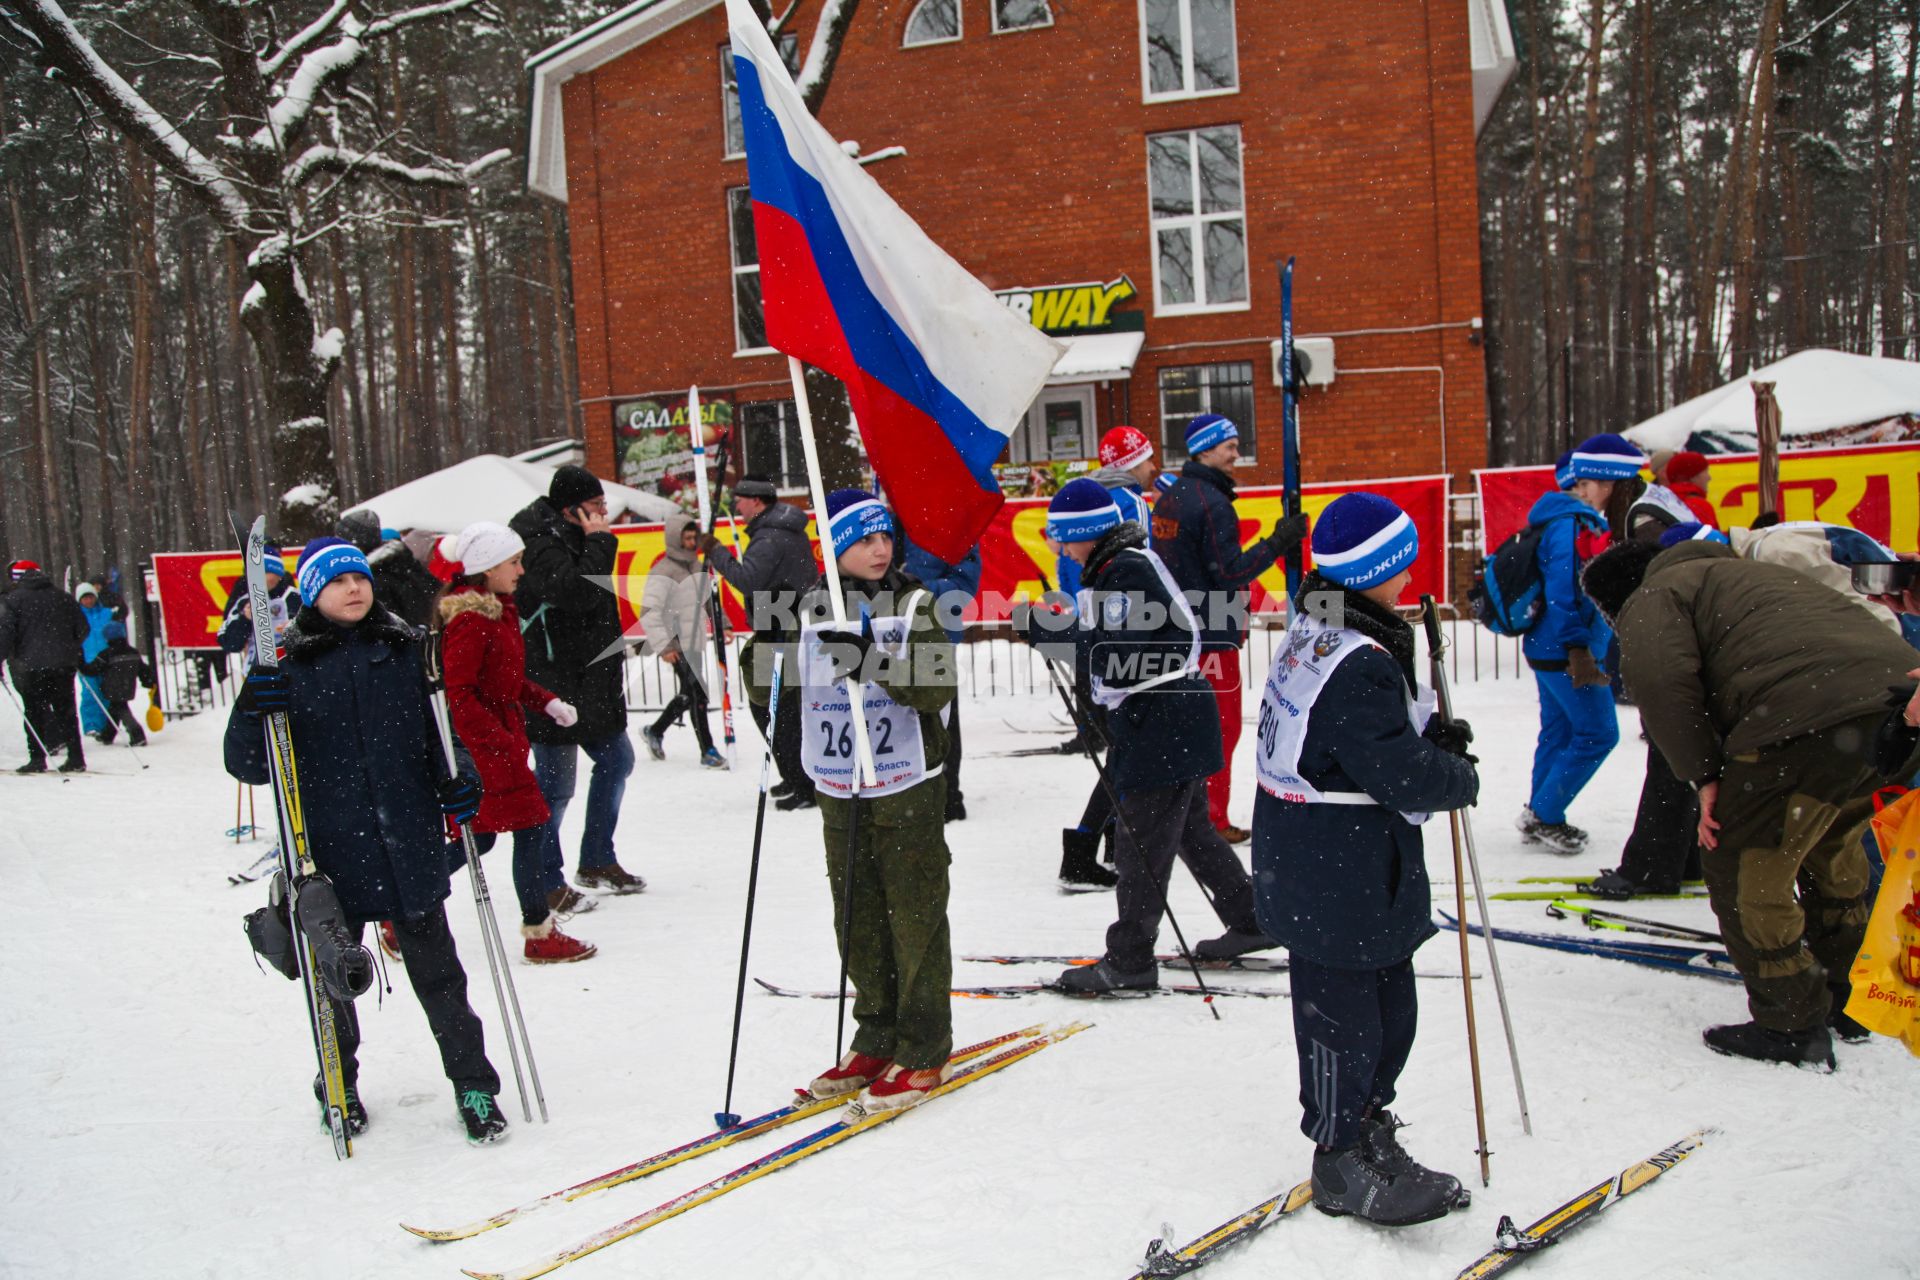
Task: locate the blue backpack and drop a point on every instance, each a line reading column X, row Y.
column 1508, row 594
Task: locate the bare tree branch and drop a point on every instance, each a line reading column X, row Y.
column 271, row 67
column 823, row 54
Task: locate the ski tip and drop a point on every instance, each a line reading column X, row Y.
column 433, row 1234
column 483, row 1275
column 725, row 1120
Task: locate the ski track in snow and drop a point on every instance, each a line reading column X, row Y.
column 161, row 1124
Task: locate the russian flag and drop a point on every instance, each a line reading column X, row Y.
column 938, row 370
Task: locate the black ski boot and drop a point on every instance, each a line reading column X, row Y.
column 1353, row 1181
column 356, row 1113
column 268, row 932
column 797, row 799
column 1102, row 978
column 1080, row 869
column 1810, row 1048
column 1232, row 943
column 345, row 967
column 34, row 764
column 1378, row 1138
column 480, row 1113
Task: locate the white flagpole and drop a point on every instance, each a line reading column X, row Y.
column 856, row 692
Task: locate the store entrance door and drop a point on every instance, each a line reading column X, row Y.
column 1059, row 426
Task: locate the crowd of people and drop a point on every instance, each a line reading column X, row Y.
column 1761, row 677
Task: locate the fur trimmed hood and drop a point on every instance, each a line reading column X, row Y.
column 470, row 600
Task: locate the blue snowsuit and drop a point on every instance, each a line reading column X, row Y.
column 1578, row 727
column 93, row 715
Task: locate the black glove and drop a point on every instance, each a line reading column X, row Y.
column 265, row 692
column 1451, row 736
column 846, row 650
column 709, row 544
column 1896, row 741
column 460, row 798
column 1289, row 532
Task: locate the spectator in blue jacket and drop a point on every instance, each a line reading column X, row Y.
column 953, row 586
column 93, row 709
column 1567, row 647
column 1196, row 533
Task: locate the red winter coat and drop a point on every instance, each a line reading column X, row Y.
column 1696, row 499
column 487, row 693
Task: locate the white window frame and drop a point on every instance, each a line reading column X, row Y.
column 993, row 12
column 1197, row 221
column 1249, row 440
column 730, row 92
column 959, row 27
column 1186, row 70
column 734, row 272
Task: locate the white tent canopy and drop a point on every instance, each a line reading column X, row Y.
column 490, row 487
column 1818, row 390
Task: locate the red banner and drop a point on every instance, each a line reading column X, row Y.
column 1013, row 552
column 1872, row 488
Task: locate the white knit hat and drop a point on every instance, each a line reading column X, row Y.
column 479, row 547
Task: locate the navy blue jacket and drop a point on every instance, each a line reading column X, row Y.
column 369, row 762
column 1346, row 886
column 1166, row 735
column 1571, row 621
column 1196, row 531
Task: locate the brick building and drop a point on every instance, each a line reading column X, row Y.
column 1128, row 173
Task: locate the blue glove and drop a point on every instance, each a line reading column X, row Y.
column 460, row 798
column 267, row 691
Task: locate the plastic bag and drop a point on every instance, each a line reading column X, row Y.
column 1886, row 973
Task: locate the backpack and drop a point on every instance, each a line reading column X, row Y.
column 1508, row 594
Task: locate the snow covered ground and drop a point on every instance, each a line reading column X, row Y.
column 158, row 1120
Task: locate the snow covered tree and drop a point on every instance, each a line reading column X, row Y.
column 259, row 122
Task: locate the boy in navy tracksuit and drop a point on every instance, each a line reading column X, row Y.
column 1346, row 777
column 1137, row 645
column 119, row 669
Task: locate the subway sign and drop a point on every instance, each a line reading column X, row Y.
column 1075, row 308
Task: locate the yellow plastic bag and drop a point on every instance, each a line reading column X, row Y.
column 1886, row 973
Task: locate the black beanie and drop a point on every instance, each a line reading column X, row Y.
column 1617, row 573
column 756, row 486
column 361, row 528
column 572, row 486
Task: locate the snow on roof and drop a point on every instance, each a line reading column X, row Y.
column 490, row 487
column 1818, row 390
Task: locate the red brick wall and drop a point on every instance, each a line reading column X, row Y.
column 1027, row 161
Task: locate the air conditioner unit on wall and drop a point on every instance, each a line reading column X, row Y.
column 1314, row 356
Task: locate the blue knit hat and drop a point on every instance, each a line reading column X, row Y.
column 325, row 559
column 1563, row 471
column 1693, row 531
column 272, row 563
column 115, row 630
column 1606, row 457
column 1362, row 539
column 852, row 514
column 1165, row 481
column 1208, row 430
column 1082, row 511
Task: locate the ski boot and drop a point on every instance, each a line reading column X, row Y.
column 480, row 1113
column 1080, row 869
column 1377, row 1136
column 345, row 967
column 1103, row 977
column 355, row 1112
column 1811, row 1048
column 1555, row 837
column 268, row 932
column 1233, row 943
column 854, row 1071
column 902, row 1087
column 1353, row 1181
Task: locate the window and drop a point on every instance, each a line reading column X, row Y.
column 1021, row 15
column 770, row 443
column 1199, row 220
column 730, row 92
column 933, row 22
column 1187, row 48
column 749, row 317
column 1187, row 390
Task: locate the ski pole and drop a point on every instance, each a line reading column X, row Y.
column 25, row 718
column 1444, row 698
column 496, row 950
column 725, row 1118
column 1120, row 816
column 101, row 703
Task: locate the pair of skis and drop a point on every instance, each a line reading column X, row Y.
column 1513, row 1245
column 1014, row 990
column 983, row 1059
column 1597, row 918
column 1576, row 887
column 1702, row 961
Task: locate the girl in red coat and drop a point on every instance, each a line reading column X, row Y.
column 488, row 694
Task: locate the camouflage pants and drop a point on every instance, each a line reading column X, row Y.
column 899, row 950
column 1788, row 880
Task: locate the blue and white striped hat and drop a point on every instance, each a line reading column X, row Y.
column 1082, row 511
column 1362, row 539
column 1208, row 430
column 1606, row 457
column 853, row 514
column 325, row 559
column 1563, row 471
column 1165, row 481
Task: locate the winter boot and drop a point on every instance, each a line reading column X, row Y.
column 781, row 789
column 854, row 1071
column 1103, row 977
column 568, row 901
column 268, row 932
column 1838, row 1022
column 76, row 762
column 902, row 1087
column 547, row 945
column 711, row 759
column 798, row 798
column 652, row 738
column 480, row 1113
column 613, row 877
column 356, row 1113
column 1234, row 942
column 346, row 967
column 1378, row 1140
column 1080, row 869
column 36, row 764
column 1555, row 837
column 1810, row 1048
column 1234, row 835
column 1352, row 1181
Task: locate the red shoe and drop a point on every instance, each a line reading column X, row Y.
column 852, row 1072
column 547, row 945
column 390, row 941
column 902, row 1087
